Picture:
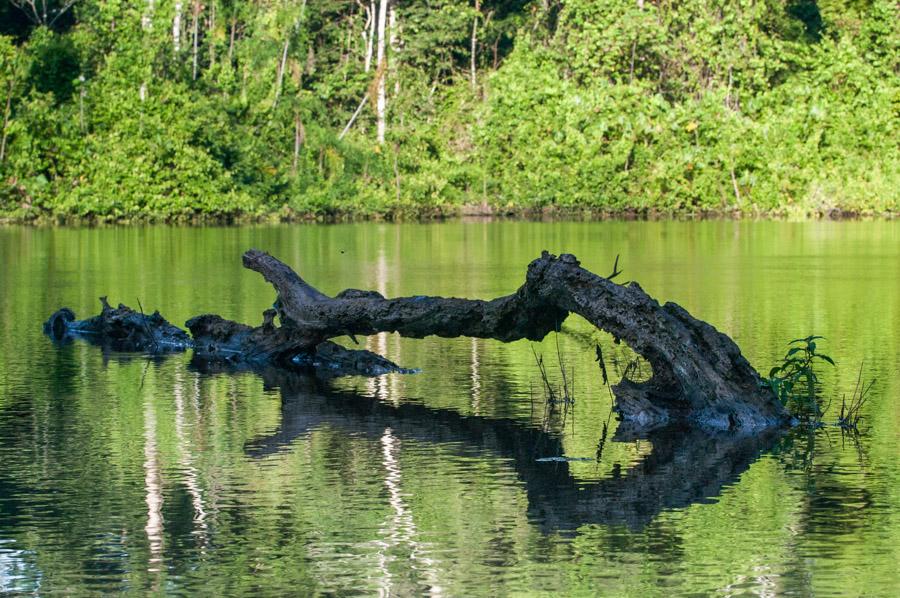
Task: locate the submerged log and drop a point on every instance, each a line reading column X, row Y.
column 119, row 329
column 215, row 341
column 698, row 376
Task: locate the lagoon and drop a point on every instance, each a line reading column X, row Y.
column 120, row 473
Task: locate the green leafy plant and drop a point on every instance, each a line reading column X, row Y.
column 794, row 381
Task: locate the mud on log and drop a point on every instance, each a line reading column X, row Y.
column 699, row 374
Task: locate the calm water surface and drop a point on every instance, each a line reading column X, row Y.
column 125, row 474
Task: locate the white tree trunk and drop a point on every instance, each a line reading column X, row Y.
column 195, row 32
column 381, row 102
column 176, row 28
column 147, row 17
column 474, row 48
column 282, row 65
column 394, row 42
column 6, row 113
column 369, row 33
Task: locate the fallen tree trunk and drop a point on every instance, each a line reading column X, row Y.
column 699, row 374
column 215, row 341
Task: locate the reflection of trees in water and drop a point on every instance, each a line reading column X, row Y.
column 683, row 467
column 834, row 496
column 400, row 529
column 153, row 490
column 186, row 454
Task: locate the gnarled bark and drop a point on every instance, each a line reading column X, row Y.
column 119, row 329
column 699, row 374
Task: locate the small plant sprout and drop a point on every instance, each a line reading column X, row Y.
column 850, row 410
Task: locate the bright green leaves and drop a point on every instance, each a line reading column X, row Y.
column 794, row 380
column 703, row 105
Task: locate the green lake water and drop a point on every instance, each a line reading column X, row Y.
column 120, row 473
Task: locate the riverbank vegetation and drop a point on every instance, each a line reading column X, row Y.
column 179, row 109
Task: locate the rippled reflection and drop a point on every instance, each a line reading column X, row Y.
column 120, row 474
column 683, row 466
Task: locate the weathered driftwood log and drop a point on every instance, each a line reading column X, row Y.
column 698, row 373
column 216, row 341
column 119, row 329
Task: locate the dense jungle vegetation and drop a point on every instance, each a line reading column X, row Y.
column 162, row 109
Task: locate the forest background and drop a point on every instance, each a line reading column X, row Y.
column 224, row 109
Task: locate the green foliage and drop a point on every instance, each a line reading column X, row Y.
column 794, row 380
column 704, row 105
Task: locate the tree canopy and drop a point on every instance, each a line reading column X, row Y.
column 170, row 109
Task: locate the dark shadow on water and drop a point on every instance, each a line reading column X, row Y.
column 685, row 466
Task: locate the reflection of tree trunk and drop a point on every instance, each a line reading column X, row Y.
column 379, row 385
column 475, row 376
column 401, row 529
column 153, row 489
column 683, row 466
column 185, row 460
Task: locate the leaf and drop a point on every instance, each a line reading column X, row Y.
column 805, row 340
column 826, row 358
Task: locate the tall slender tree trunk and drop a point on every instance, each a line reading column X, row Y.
column 147, row 17
column 640, row 5
column 6, row 113
column 282, row 65
column 211, row 34
column 176, row 27
column 195, row 33
column 381, row 101
column 394, row 43
column 474, row 48
column 231, row 39
column 369, row 33
column 299, row 138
